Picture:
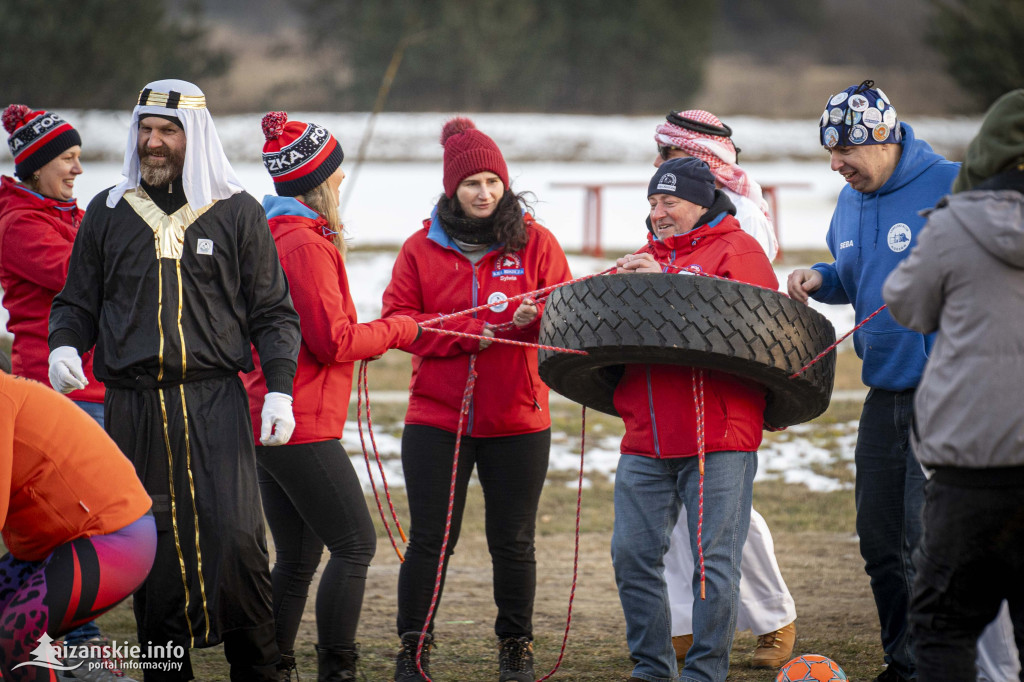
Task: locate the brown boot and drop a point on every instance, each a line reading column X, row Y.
column 682, row 644
column 286, row 667
column 336, row 664
column 774, row 649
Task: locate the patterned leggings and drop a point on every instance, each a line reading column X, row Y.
column 78, row 582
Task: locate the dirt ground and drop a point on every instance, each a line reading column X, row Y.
column 836, row 615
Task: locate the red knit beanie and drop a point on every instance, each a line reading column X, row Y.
column 299, row 156
column 36, row 138
column 468, row 151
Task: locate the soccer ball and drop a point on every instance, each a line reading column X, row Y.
column 811, row 668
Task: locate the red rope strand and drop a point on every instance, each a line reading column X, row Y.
column 698, row 398
column 831, row 348
column 498, row 339
column 467, row 398
column 366, row 457
column 376, row 454
column 576, row 546
column 511, row 299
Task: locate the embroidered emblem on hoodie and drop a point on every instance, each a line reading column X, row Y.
column 899, row 237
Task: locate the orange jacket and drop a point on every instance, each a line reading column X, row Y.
column 61, row 476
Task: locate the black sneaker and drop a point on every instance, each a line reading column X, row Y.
column 515, row 659
column 405, row 661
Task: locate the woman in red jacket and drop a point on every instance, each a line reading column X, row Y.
column 39, row 219
column 311, row 494
column 479, row 246
column 76, row 525
column 692, row 228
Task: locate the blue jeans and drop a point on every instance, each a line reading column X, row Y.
column 94, row 410
column 890, row 498
column 648, row 495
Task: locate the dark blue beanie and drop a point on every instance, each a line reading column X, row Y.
column 687, row 178
column 860, row 114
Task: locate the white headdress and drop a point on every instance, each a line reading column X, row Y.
column 207, row 175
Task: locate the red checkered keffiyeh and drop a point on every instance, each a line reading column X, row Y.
column 718, row 152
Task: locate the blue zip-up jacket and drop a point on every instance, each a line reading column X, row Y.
column 870, row 234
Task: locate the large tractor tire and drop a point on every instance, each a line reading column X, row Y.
column 677, row 319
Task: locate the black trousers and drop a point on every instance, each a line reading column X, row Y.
column 970, row 560
column 311, row 498
column 511, row 470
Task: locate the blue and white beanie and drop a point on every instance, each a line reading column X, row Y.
column 860, row 114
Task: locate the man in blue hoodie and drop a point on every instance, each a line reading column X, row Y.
column 891, row 177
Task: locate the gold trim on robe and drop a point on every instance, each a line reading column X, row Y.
column 168, row 230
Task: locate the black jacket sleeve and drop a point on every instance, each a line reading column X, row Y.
column 271, row 317
column 74, row 315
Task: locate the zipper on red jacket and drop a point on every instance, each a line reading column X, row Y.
column 533, row 388
column 472, row 398
column 650, row 406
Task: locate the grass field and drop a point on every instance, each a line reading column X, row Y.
column 815, row 545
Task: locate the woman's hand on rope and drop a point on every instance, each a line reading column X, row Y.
column 637, row 262
column 525, row 313
column 803, row 282
column 484, row 343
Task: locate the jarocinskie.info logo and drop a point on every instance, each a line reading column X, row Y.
column 126, row 656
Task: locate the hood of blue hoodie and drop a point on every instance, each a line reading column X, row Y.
column 276, row 206
column 916, row 158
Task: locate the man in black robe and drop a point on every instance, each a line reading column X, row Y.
column 173, row 274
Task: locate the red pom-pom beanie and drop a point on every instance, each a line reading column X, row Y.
column 36, row 138
column 468, row 151
column 299, row 156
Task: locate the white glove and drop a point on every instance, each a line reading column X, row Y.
column 277, row 418
column 66, row 373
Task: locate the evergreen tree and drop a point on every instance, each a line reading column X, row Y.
column 97, row 53
column 982, row 42
column 595, row 56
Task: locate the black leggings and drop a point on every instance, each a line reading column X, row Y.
column 312, row 497
column 511, row 470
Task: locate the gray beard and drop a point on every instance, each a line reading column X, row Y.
column 158, row 176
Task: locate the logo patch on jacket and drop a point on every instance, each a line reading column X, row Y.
column 899, row 237
column 509, row 266
column 204, row 247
